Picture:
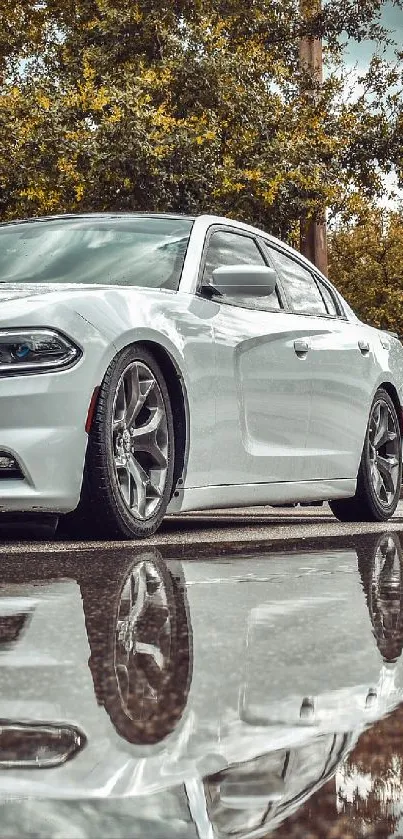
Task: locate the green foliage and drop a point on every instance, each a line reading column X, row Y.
column 191, row 106
column 366, row 265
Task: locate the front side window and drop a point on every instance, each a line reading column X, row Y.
column 302, row 292
column 124, row 251
column 227, row 248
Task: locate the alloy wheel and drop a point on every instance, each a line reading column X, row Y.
column 384, row 454
column 140, row 440
column 143, row 641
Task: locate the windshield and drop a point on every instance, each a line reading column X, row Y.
column 132, row 251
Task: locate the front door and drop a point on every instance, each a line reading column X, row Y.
column 264, row 397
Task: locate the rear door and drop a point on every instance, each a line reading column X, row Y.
column 264, row 387
column 342, row 367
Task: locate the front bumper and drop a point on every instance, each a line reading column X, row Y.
column 42, row 426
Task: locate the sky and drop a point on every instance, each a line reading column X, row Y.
column 392, row 18
column 359, row 55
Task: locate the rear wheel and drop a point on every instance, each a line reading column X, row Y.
column 129, row 465
column 380, row 473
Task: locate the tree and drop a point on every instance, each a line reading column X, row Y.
column 366, row 265
column 189, row 105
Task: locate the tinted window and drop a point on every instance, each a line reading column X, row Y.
column 300, row 287
column 328, row 298
column 125, row 251
column 226, row 248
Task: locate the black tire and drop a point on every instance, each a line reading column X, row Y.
column 139, row 717
column 102, row 511
column 366, row 505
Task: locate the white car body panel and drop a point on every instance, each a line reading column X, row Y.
column 343, row 383
column 263, row 425
column 265, row 398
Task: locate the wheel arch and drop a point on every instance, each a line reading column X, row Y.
column 179, row 404
column 392, row 391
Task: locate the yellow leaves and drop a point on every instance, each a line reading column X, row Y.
column 214, row 32
column 71, row 177
column 269, row 194
column 159, row 151
column 76, row 136
column 24, row 130
column 161, row 119
column 15, row 92
column 309, row 8
column 43, row 101
column 137, row 15
column 253, row 174
column 88, row 71
column 86, row 94
column 33, row 193
column 67, row 167
column 89, row 25
column 155, row 76
column 206, row 137
column 366, row 264
column 99, row 99
column 116, row 114
column 44, row 199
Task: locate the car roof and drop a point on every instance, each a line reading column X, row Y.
column 106, row 215
column 203, row 217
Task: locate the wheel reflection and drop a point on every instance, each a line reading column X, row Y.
column 381, row 570
column 141, row 652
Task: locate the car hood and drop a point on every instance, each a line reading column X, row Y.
column 107, row 308
column 10, row 291
column 14, row 292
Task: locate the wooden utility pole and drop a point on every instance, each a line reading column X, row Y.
column 313, row 240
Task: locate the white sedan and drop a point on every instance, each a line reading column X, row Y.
column 161, row 363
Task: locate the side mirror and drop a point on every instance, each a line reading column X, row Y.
column 243, row 280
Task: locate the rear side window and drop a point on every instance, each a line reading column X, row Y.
column 330, row 302
column 300, row 287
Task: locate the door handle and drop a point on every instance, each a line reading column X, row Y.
column 301, row 347
column 363, row 346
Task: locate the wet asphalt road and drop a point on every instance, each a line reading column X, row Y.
column 239, row 675
column 212, row 531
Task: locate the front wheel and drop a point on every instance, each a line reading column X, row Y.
column 129, row 465
column 380, row 473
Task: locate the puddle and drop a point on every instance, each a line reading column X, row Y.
column 143, row 695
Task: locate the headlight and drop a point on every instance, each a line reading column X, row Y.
column 34, row 350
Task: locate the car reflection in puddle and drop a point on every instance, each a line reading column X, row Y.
column 160, row 698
